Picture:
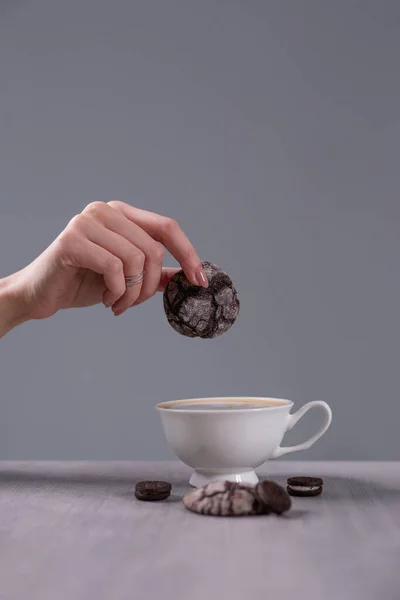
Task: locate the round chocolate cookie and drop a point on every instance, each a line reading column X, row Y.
column 224, row 499
column 201, row 312
column 273, row 496
column 152, row 491
column 304, row 486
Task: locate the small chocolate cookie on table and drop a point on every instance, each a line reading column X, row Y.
column 152, row 491
column 273, row 496
column 201, row 312
column 223, row 499
column 304, row 486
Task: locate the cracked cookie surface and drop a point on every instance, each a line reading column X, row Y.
column 201, row 312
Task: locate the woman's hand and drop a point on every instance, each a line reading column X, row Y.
column 89, row 260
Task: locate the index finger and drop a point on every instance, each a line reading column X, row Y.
column 167, row 232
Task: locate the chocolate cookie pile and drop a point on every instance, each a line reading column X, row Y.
column 229, row 499
column 201, row 312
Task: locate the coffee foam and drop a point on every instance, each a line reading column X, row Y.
column 222, row 404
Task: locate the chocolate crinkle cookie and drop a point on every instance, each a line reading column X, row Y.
column 201, row 312
column 230, row 499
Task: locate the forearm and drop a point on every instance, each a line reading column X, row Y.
column 11, row 307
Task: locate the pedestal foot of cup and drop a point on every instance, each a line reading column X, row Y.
column 202, row 477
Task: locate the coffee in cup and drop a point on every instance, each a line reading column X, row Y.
column 225, row 404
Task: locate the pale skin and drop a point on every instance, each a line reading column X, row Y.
column 88, row 262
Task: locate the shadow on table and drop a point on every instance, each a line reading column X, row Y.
column 130, row 495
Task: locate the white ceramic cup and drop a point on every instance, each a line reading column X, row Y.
column 229, row 443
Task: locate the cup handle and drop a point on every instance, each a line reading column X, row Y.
column 296, row 417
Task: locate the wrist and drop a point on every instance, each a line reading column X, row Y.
column 12, row 306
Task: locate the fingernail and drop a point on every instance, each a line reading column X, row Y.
column 201, row 277
column 119, row 312
column 108, row 304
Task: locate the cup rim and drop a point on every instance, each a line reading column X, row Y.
column 168, row 405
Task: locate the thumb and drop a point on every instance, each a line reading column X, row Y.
column 166, row 274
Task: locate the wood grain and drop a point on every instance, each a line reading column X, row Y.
column 74, row 531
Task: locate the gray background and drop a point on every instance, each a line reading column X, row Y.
column 271, row 131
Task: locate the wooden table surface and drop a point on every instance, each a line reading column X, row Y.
column 74, row 531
